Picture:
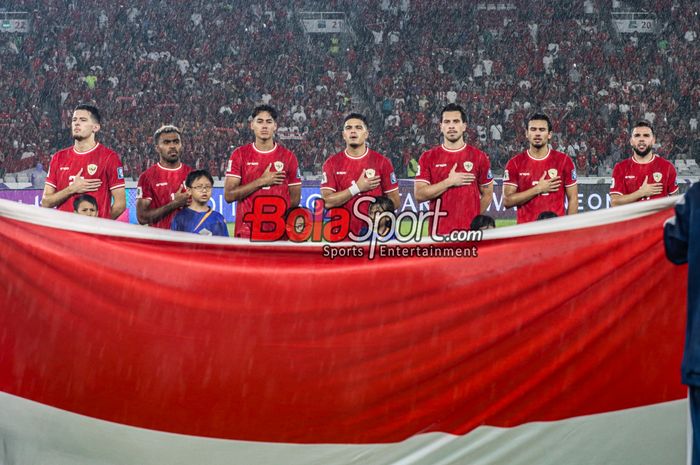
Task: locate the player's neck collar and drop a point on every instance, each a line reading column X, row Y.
column 634, row 159
column 354, row 157
column 170, row 169
column 549, row 150
column 274, row 147
column 87, row 151
column 464, row 146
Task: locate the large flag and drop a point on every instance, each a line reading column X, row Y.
column 558, row 343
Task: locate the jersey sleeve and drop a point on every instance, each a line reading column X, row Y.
column 328, row 180
column 672, row 184
column 389, row 181
column 233, row 167
column 143, row 187
column 51, row 177
column 424, row 174
column 618, row 181
column 510, row 174
column 115, row 172
column 569, row 175
column 485, row 175
column 293, row 173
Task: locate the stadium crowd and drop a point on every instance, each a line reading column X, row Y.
column 205, row 65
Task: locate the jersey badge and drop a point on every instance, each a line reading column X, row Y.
column 369, row 172
column 468, row 165
column 228, row 165
column 392, row 177
column 573, row 174
column 552, row 172
column 279, row 165
column 657, row 176
column 139, row 192
column 91, row 169
column 418, row 171
column 120, row 173
column 324, row 178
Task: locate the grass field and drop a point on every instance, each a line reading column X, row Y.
column 404, row 228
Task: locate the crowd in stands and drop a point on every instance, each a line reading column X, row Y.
column 204, row 65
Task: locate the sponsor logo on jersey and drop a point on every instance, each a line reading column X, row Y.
column 630, row 176
column 161, row 184
column 523, row 174
column 252, row 163
column 91, row 169
column 506, row 175
column 441, row 165
column 278, row 165
column 552, row 172
column 64, row 168
column 468, row 165
column 369, row 172
column 341, row 172
column 120, row 173
column 657, row 176
column 392, row 177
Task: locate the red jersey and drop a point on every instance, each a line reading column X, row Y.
column 97, row 163
column 159, row 185
column 461, row 203
column 248, row 164
column 523, row 171
column 629, row 175
column 340, row 170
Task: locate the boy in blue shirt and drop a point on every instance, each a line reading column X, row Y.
column 198, row 217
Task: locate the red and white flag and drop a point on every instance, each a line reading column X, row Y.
column 560, row 343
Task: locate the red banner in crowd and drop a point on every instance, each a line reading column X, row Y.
column 278, row 343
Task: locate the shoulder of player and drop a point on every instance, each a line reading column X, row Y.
column 105, row 151
column 663, row 161
column 518, row 158
column 334, row 158
column 476, row 151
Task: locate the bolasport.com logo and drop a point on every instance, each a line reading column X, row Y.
column 380, row 234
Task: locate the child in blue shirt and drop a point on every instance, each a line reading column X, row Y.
column 198, row 217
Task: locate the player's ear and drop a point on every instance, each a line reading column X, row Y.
column 95, row 128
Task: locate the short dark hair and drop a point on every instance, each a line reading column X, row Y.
column 84, row 198
column 196, row 174
column 454, row 107
column 546, row 215
column 384, row 203
column 260, row 108
column 359, row 116
column 539, row 117
column 166, row 129
column 92, row 109
column 482, row 221
column 643, row 123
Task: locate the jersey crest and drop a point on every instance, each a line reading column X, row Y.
column 279, row 165
column 468, row 165
column 91, row 169
column 369, row 172
column 657, row 176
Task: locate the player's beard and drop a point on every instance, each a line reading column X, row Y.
column 538, row 146
column 640, row 153
column 79, row 138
